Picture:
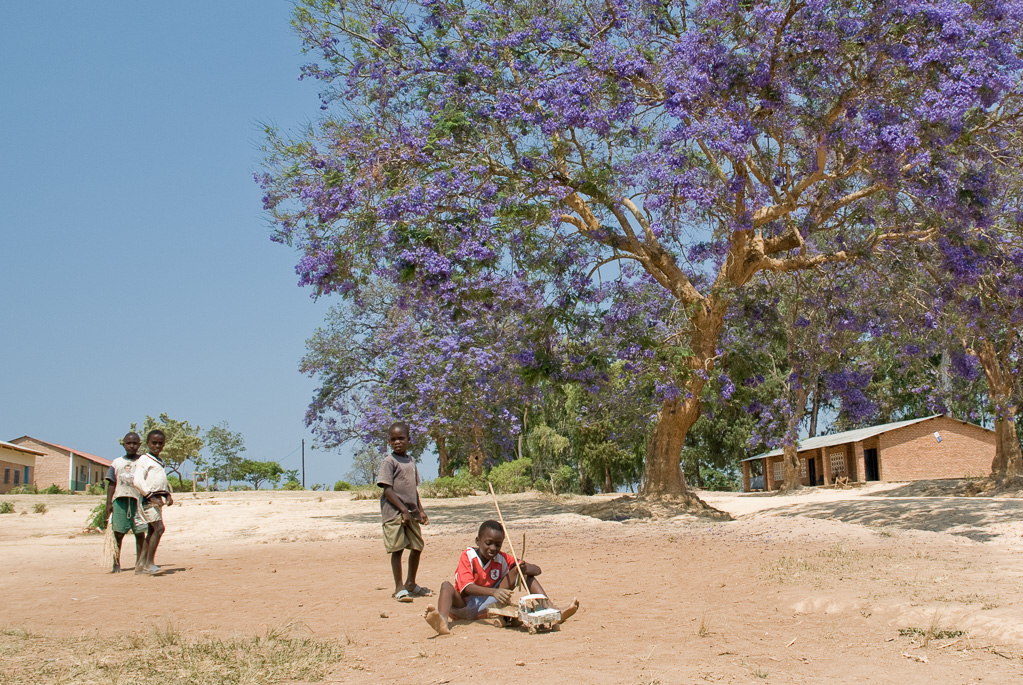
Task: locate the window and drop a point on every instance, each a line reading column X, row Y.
column 837, row 464
column 7, row 476
column 17, row 474
column 779, row 471
column 802, row 468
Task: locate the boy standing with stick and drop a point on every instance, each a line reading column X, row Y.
column 402, row 512
column 123, row 502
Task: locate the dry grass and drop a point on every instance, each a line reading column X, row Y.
column 165, row 655
column 818, row 568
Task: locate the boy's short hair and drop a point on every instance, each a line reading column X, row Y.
column 490, row 524
column 400, row 424
column 155, row 431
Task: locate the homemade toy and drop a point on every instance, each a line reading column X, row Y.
column 534, row 611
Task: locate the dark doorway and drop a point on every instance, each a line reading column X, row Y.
column 811, row 470
column 870, row 464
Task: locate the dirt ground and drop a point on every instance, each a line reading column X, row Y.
column 822, row 586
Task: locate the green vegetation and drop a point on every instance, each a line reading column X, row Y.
column 342, row 485
column 6, row 507
column 39, row 508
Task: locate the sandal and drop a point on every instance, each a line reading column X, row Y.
column 402, row 596
column 420, row 591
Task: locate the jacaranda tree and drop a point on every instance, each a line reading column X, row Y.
column 706, row 141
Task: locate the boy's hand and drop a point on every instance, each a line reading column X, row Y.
column 106, row 512
column 502, row 595
column 406, row 517
column 423, row 518
column 170, row 500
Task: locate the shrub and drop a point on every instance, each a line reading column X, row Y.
column 562, row 480
column 342, row 485
column 292, row 485
column 54, row 489
column 97, row 517
column 448, row 486
column 39, row 507
column 95, row 489
column 315, row 487
column 366, row 494
column 29, row 489
column 240, row 487
column 511, row 476
column 6, row 507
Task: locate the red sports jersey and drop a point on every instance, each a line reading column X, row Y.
column 471, row 569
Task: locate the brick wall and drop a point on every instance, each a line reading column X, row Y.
column 912, row 453
column 9, row 471
column 51, row 468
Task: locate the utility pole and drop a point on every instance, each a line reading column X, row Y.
column 303, row 462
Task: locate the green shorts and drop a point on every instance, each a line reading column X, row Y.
column 125, row 516
column 398, row 537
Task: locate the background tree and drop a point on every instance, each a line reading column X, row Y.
column 704, row 141
column 365, row 466
column 183, row 441
column 225, row 447
column 258, row 472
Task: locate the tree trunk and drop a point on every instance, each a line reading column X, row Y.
column 792, row 477
column 443, row 467
column 608, row 486
column 1008, row 462
column 816, row 410
column 476, row 453
column 662, row 474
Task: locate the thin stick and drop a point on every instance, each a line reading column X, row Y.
column 518, row 566
column 517, row 583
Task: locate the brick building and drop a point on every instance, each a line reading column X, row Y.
column 918, row 449
column 59, row 465
column 17, row 465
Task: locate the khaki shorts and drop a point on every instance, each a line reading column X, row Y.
column 149, row 512
column 398, row 537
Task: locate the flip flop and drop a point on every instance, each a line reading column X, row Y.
column 420, row 591
column 402, row 596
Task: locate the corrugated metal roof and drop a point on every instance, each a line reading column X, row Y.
column 19, row 448
column 849, row 436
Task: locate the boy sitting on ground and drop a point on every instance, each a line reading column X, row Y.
column 485, row 578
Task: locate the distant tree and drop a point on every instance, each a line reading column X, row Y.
column 225, row 447
column 259, row 472
column 365, row 466
column 183, row 441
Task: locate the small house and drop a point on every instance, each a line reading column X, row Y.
column 68, row 468
column 932, row 447
column 17, row 464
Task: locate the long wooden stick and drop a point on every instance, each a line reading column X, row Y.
column 507, row 537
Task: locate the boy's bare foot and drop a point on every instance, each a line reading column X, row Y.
column 116, row 568
column 435, row 620
column 567, row 612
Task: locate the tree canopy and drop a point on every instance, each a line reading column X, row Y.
column 469, row 152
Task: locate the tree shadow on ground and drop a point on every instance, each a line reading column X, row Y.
column 966, row 517
column 474, row 510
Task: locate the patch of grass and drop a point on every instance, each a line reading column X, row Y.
column 21, row 632
column 39, row 507
column 6, row 507
column 704, row 629
column 181, row 660
column 816, row 568
column 758, row 673
column 365, row 494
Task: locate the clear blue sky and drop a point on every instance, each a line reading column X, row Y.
column 136, row 271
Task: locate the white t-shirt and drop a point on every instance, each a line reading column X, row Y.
column 122, row 473
column 150, row 476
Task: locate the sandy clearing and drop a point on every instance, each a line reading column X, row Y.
column 806, row 588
